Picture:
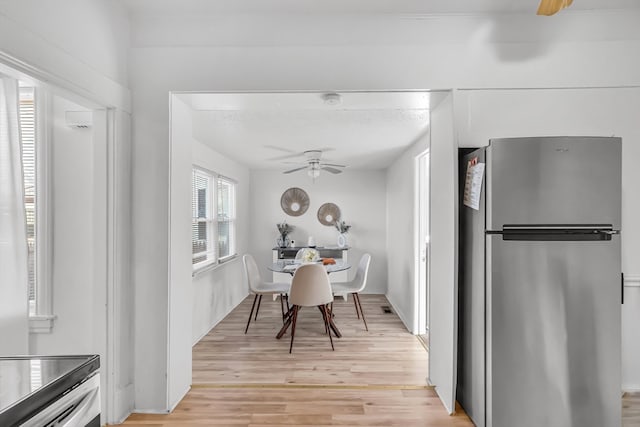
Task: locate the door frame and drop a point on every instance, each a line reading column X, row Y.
column 421, row 248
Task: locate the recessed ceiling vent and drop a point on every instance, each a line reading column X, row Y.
column 79, row 119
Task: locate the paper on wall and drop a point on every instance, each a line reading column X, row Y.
column 473, row 184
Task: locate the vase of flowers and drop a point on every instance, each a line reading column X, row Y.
column 343, row 229
column 284, row 229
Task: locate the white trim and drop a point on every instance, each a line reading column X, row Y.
column 48, row 63
column 123, row 399
column 632, row 281
column 112, row 265
column 401, row 315
column 44, row 207
column 41, row 324
column 214, row 265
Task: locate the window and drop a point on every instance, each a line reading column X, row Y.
column 213, row 226
column 34, row 165
column 226, row 219
column 28, row 143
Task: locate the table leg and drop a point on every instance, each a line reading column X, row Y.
column 287, row 322
column 332, row 324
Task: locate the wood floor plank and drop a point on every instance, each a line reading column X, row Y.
column 375, row 378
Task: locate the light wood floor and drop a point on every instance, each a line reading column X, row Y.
column 375, row 378
column 631, row 409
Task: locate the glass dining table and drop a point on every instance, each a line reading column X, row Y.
column 290, row 266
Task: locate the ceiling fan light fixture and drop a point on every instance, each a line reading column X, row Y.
column 313, row 172
column 332, row 98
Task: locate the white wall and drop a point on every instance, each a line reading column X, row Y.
column 80, row 49
column 463, row 52
column 217, row 292
column 94, row 32
column 631, row 334
column 361, row 197
column 72, row 154
column 401, row 231
column 196, row 305
column 443, row 226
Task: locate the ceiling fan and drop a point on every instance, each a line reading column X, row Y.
column 551, row 7
column 314, row 165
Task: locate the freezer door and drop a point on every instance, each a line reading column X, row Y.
column 553, row 349
column 554, row 180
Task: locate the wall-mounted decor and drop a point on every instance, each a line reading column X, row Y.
column 294, row 201
column 328, row 214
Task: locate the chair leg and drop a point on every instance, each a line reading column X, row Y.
column 355, row 294
column 324, row 318
column 355, row 302
column 293, row 326
column 326, row 324
column 258, row 309
column 251, row 313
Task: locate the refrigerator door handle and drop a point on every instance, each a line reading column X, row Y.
column 557, row 232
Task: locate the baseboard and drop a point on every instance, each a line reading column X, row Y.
column 630, row 388
column 163, row 411
column 184, row 393
column 400, row 314
column 124, row 399
column 220, row 319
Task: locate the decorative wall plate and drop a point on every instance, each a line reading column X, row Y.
column 294, row 201
column 328, row 214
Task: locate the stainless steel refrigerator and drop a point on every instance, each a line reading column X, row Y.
column 539, row 326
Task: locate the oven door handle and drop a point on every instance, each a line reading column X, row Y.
column 81, row 415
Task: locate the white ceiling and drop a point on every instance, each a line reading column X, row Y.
column 359, row 6
column 365, row 131
column 266, row 131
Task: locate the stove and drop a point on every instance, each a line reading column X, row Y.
column 50, row 391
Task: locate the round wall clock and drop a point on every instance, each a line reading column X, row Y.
column 294, row 201
column 328, row 214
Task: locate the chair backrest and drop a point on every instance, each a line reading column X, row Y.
column 253, row 274
column 362, row 273
column 310, row 286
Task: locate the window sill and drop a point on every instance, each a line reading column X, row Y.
column 41, row 324
column 212, row 266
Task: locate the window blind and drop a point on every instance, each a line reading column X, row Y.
column 202, row 218
column 27, row 119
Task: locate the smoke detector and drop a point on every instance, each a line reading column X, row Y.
column 332, row 98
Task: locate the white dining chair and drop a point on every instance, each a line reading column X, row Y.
column 355, row 286
column 310, row 287
column 259, row 287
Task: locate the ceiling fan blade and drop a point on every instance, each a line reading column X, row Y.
column 551, row 7
column 286, row 156
column 330, row 169
column 275, row 147
column 295, row 170
column 332, row 164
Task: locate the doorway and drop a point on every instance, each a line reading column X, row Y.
column 422, row 246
